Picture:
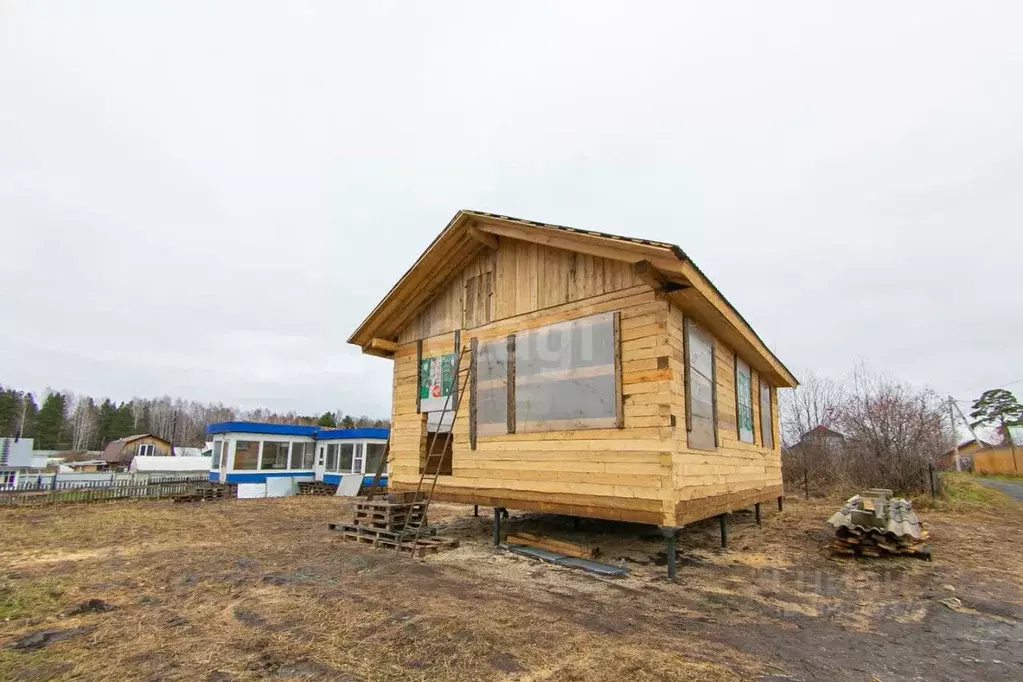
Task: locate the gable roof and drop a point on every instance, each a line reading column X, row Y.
column 663, row 265
column 114, row 451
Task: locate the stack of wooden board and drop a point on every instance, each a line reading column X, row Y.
column 554, row 545
column 381, row 522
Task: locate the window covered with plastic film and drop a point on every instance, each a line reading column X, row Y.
column 565, row 376
column 766, row 416
column 492, row 388
column 700, row 388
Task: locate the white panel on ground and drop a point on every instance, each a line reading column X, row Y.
column 281, row 486
column 250, row 490
column 349, row 485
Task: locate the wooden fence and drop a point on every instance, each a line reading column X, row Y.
column 1000, row 460
column 78, row 492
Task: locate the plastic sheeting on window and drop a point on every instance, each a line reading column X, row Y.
column 565, row 376
column 701, row 390
column 766, row 432
column 492, row 388
column 744, row 401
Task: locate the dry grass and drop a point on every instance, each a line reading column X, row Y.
column 258, row 588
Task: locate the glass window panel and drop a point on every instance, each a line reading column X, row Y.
column 374, row 454
column 332, row 457
column 303, row 455
column 347, row 455
column 357, row 462
column 766, row 432
column 744, row 401
column 217, row 447
column 246, row 454
column 275, row 455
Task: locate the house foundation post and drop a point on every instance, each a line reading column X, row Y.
column 756, row 512
column 670, row 533
column 723, row 518
column 497, row 526
column 781, row 504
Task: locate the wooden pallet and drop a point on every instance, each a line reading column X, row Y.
column 215, row 491
column 379, row 537
column 317, row 488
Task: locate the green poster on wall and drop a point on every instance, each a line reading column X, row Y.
column 744, row 392
column 436, row 381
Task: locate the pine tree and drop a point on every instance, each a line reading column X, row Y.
column 998, row 407
column 51, row 423
column 327, row 420
column 10, row 411
column 31, row 416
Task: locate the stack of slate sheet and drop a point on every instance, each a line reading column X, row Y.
column 873, row 524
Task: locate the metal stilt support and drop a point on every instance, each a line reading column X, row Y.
column 669, row 533
column 475, row 510
column 781, row 504
column 723, row 518
column 756, row 512
column 497, row 526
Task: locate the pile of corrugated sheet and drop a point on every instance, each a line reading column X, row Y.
column 874, row 524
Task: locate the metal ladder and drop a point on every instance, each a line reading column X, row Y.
column 428, row 477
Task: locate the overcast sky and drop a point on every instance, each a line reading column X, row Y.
column 204, row 199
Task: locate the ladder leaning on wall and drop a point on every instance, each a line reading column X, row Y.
column 430, row 470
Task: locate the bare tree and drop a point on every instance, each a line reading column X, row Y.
column 83, row 420
column 815, row 402
column 893, row 431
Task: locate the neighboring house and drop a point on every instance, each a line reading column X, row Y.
column 121, row 451
column 86, row 466
column 18, row 458
column 612, row 379
column 823, row 439
column 251, row 452
column 967, row 449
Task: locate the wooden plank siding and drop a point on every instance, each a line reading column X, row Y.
column 734, row 475
column 642, row 472
column 524, row 277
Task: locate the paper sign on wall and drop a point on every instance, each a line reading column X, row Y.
column 436, row 382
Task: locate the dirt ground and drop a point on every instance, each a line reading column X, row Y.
column 261, row 589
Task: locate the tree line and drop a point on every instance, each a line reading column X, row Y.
column 872, row 430
column 66, row 421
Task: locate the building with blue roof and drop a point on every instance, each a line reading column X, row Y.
column 251, row 452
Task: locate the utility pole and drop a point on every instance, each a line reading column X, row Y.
column 955, row 434
column 973, row 432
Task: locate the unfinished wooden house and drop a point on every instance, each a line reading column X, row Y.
column 611, row 379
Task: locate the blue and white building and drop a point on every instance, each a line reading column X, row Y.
column 251, row 452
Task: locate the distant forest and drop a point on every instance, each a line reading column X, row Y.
column 65, row 421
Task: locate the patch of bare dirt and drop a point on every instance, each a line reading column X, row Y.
column 260, row 589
